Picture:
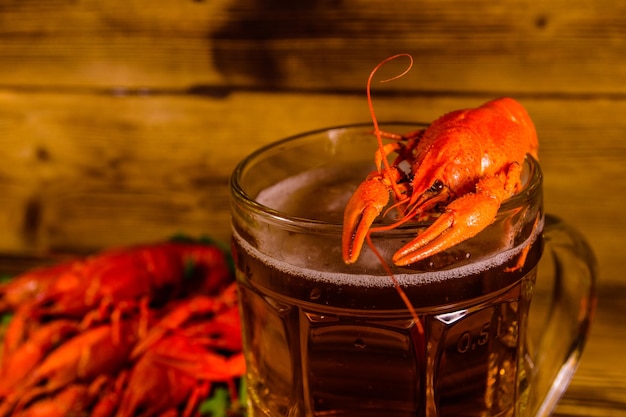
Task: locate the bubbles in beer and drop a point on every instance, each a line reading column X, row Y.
column 315, row 293
column 360, row 344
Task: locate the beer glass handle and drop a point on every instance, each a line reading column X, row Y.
column 566, row 279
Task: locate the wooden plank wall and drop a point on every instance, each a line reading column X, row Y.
column 121, row 120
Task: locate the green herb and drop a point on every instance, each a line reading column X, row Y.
column 217, row 405
column 5, row 319
column 206, row 240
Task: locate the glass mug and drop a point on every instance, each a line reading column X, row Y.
column 322, row 338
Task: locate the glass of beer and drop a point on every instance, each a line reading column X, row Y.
column 497, row 325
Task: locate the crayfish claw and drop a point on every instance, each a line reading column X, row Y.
column 464, row 218
column 363, row 208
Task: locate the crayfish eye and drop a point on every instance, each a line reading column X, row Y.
column 436, row 187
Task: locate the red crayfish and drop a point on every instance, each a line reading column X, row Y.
column 87, row 335
column 467, row 161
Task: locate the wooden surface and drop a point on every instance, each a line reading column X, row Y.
column 120, row 121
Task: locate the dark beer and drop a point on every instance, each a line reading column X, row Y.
column 327, row 339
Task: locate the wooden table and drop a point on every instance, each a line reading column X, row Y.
column 120, row 121
column 599, row 386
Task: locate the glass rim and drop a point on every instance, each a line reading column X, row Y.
column 528, row 192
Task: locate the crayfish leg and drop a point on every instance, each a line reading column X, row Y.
column 524, row 252
column 199, row 393
column 196, row 306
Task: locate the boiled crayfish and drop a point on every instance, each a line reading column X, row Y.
column 468, row 161
column 145, row 330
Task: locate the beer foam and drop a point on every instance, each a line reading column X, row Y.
column 290, row 196
column 320, row 194
column 344, row 277
column 277, row 196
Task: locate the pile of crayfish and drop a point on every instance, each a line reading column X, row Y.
column 149, row 330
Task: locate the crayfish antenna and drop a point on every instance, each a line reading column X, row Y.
column 397, row 286
column 372, row 196
column 377, row 131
